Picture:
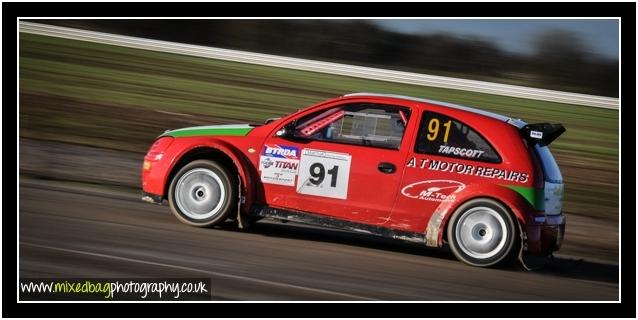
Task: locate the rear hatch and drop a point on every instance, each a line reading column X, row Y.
column 538, row 137
column 553, row 181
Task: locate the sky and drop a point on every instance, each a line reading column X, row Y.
column 599, row 35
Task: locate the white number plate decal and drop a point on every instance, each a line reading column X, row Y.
column 324, row 173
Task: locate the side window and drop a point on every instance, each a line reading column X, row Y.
column 375, row 125
column 442, row 135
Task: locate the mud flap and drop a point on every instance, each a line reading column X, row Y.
column 528, row 261
column 432, row 231
column 521, row 257
column 242, row 220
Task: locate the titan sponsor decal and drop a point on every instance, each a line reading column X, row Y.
column 279, row 164
column 433, row 190
column 461, row 152
column 266, row 162
column 279, row 151
column 468, row 169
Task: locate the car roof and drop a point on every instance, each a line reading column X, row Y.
column 515, row 122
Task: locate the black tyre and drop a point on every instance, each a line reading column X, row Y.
column 203, row 193
column 482, row 233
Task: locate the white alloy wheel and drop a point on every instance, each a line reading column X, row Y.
column 482, row 233
column 202, row 193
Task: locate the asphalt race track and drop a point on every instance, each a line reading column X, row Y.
column 70, row 231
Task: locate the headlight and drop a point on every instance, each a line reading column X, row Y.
column 156, row 152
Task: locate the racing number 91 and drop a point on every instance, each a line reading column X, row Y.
column 318, row 173
column 324, row 173
column 433, row 129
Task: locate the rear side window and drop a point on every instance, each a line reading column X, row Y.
column 445, row 136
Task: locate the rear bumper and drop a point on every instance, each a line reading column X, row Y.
column 545, row 234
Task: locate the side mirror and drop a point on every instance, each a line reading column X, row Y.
column 269, row 120
column 287, row 131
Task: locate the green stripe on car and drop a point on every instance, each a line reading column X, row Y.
column 536, row 197
column 219, row 130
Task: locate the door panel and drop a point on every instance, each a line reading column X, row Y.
column 360, row 191
column 333, row 173
column 446, row 156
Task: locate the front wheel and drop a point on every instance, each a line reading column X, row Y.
column 482, row 233
column 202, row 193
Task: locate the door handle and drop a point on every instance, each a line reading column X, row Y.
column 387, row 167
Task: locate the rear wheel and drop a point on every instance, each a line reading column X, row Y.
column 202, row 193
column 482, row 233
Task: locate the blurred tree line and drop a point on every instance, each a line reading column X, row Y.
column 560, row 61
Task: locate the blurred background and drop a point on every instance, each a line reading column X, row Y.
column 565, row 55
column 88, row 112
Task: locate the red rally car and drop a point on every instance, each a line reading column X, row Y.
column 401, row 167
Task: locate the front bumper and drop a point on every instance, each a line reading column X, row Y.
column 154, row 174
column 152, row 198
column 545, row 234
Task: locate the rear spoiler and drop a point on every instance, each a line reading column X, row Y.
column 542, row 133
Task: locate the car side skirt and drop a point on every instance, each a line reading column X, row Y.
column 324, row 221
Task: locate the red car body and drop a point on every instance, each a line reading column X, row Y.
column 401, row 169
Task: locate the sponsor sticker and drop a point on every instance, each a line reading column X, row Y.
column 324, row 173
column 279, row 164
column 468, row 169
column 536, row 134
column 280, row 151
column 433, row 190
column 461, row 152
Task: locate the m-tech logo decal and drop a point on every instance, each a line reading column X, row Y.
column 433, row 190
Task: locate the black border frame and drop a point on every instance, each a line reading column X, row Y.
column 626, row 11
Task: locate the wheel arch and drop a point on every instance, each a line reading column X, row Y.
column 225, row 156
column 514, row 203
